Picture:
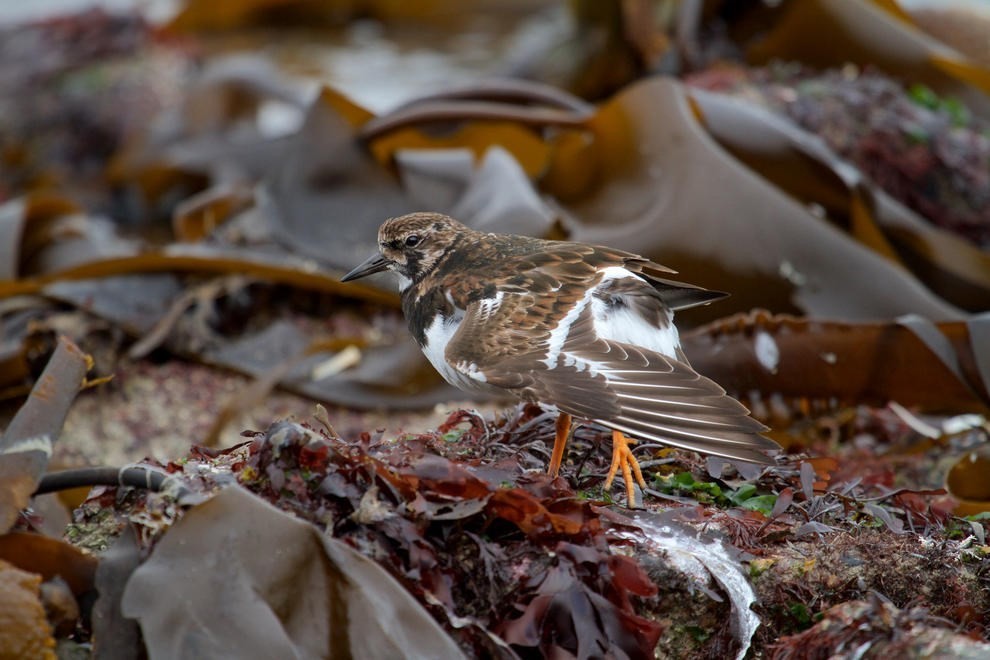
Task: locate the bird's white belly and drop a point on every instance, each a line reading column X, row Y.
column 438, row 335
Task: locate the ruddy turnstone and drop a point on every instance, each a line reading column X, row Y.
column 585, row 328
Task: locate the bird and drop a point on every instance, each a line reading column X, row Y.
column 583, row 328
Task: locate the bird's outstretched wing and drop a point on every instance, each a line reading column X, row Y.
column 640, row 392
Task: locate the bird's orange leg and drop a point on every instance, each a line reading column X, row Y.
column 559, row 443
column 622, row 457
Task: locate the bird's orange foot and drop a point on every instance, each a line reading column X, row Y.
column 622, row 457
column 559, row 443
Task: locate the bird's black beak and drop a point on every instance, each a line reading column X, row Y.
column 376, row 263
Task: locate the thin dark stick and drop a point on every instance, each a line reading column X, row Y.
column 592, row 446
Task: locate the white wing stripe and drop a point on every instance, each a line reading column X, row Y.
column 559, row 334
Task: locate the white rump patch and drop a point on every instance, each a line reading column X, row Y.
column 615, row 324
column 622, row 324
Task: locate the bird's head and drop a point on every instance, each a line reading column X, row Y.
column 411, row 245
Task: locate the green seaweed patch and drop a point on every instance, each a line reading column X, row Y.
column 709, row 492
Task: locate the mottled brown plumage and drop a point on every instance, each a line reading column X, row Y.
column 585, row 328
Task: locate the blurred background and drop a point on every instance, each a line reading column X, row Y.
column 183, row 182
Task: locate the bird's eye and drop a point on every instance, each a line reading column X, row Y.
column 412, row 240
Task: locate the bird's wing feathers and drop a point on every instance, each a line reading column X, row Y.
column 636, row 391
column 649, row 396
